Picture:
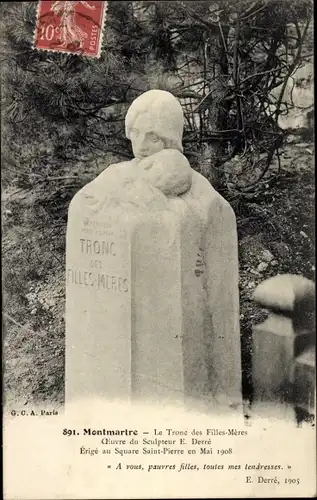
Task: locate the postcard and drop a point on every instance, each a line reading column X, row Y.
column 158, row 252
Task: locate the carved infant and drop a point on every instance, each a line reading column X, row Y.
column 169, row 171
column 146, row 182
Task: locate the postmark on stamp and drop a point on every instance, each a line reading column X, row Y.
column 74, row 27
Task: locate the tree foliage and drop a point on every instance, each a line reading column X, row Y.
column 221, row 59
column 231, row 56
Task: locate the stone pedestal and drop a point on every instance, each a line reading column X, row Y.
column 282, row 363
column 305, row 381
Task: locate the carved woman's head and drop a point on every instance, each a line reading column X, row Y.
column 154, row 122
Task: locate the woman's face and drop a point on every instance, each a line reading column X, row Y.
column 145, row 142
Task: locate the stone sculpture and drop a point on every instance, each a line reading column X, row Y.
column 152, row 308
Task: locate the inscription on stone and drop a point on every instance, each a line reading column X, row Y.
column 200, row 264
column 107, row 282
column 97, row 247
column 97, row 307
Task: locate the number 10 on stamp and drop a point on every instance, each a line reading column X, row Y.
column 74, row 27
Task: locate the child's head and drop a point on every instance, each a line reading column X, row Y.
column 154, row 121
column 168, row 170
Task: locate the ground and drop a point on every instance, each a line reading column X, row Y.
column 275, row 229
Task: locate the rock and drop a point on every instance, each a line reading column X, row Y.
column 291, row 138
column 280, row 248
column 302, row 233
column 267, row 256
column 302, row 145
column 255, row 272
column 262, row 266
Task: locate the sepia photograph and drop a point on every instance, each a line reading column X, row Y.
column 158, row 241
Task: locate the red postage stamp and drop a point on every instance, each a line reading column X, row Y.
column 72, row 27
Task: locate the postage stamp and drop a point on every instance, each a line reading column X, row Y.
column 75, row 27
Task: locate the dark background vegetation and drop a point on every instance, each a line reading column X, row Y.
column 230, row 63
